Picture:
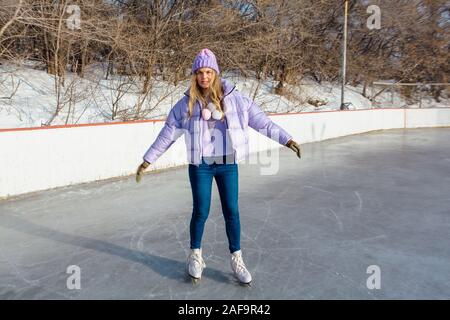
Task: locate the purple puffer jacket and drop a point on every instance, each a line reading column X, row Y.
column 240, row 112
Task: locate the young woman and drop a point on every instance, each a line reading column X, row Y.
column 214, row 118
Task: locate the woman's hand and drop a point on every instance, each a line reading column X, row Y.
column 140, row 170
column 295, row 147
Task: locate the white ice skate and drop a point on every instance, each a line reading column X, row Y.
column 239, row 269
column 195, row 264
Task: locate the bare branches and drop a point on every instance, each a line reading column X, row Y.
column 283, row 40
column 12, row 20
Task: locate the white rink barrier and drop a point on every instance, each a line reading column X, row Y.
column 33, row 159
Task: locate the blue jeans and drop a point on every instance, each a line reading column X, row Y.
column 226, row 176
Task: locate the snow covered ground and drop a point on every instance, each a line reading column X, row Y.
column 29, row 97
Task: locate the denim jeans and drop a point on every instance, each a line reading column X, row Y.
column 226, row 176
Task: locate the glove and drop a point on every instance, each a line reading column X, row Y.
column 140, row 170
column 295, row 147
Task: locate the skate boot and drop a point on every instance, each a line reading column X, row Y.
column 239, row 269
column 195, row 265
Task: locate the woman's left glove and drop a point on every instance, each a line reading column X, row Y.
column 295, row 147
column 140, row 170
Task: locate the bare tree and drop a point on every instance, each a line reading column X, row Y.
column 139, row 41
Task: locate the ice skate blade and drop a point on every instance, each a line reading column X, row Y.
column 243, row 284
column 195, row 280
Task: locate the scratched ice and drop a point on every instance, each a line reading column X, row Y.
column 310, row 231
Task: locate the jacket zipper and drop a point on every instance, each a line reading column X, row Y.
column 200, row 142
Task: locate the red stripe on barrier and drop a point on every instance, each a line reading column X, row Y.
column 79, row 125
column 326, row 111
column 160, row 120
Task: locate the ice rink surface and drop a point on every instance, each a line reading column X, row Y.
column 316, row 229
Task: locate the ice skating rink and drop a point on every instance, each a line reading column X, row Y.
column 360, row 217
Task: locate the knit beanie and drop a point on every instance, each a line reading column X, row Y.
column 205, row 59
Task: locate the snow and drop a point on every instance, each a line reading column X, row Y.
column 94, row 99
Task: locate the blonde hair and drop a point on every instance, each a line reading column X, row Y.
column 214, row 92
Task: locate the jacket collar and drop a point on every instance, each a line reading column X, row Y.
column 227, row 86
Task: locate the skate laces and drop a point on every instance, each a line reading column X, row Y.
column 196, row 258
column 239, row 264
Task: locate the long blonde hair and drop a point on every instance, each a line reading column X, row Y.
column 214, row 92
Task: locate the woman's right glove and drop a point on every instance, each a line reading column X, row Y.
column 295, row 147
column 140, row 170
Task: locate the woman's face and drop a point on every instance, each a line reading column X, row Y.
column 205, row 77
